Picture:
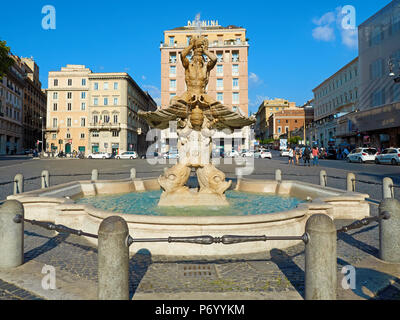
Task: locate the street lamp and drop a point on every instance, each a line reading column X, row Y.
column 392, row 64
column 41, row 120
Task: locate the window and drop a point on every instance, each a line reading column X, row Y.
column 234, row 109
column 115, row 133
column 171, row 95
column 83, row 122
column 220, row 83
column 220, row 57
column 396, row 93
column 172, row 57
column 69, row 122
column 188, row 40
column 171, row 41
column 220, row 97
column 396, row 24
column 376, row 69
column 279, row 129
column 54, row 136
column 83, row 95
column 105, row 86
column 96, row 101
column 69, row 82
column 55, row 106
column 55, row 95
column 115, row 85
column 96, row 86
column 220, row 69
column 172, row 70
column 68, row 136
column 106, row 118
column 95, row 118
column 378, row 98
column 235, row 56
column 376, row 36
column 83, row 82
column 235, row 83
column 69, row 95
column 235, row 69
column 235, row 97
column 82, row 136
column 115, row 101
column 172, row 84
column 115, row 118
column 69, row 106
column 55, row 82
column 83, row 106
column 105, row 101
column 95, row 134
column 55, row 122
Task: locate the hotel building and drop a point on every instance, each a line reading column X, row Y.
column 95, row 112
column 228, row 82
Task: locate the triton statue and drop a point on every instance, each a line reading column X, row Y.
column 198, row 116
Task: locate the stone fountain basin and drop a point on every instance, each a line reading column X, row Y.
column 56, row 205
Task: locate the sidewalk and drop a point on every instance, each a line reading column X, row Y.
column 275, row 275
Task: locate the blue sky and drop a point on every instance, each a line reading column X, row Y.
column 294, row 45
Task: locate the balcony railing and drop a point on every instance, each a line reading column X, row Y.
column 213, row 44
column 104, row 126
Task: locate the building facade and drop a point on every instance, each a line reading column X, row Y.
column 377, row 122
column 335, row 97
column 228, row 81
column 11, row 108
column 288, row 120
column 115, row 100
column 95, row 112
column 34, row 107
column 265, row 110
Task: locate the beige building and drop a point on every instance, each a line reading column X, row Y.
column 228, row 82
column 11, row 105
column 265, row 110
column 95, row 112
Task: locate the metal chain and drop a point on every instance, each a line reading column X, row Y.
column 364, row 222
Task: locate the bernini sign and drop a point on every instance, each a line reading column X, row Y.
column 208, row 23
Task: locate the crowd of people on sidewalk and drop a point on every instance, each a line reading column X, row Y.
column 306, row 154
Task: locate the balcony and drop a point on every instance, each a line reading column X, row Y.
column 53, row 129
column 104, row 126
column 214, row 44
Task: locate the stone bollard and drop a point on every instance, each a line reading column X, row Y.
column 278, row 175
column 113, row 259
column 45, row 179
column 95, row 175
column 389, row 240
column 323, row 178
column 351, row 182
column 11, row 234
column 320, row 259
column 133, row 173
column 18, row 184
column 387, row 188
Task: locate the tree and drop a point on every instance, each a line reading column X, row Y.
column 295, row 140
column 5, row 60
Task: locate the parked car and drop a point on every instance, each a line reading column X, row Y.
column 171, row 155
column 233, row 154
column 247, row 153
column 331, row 153
column 99, row 155
column 362, row 155
column 127, row 155
column 264, row 154
column 390, row 155
column 284, row 153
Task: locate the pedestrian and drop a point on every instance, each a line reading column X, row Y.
column 315, row 156
column 297, row 155
column 307, row 156
column 291, row 155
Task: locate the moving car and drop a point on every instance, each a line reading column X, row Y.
column 99, row 155
column 284, row 153
column 390, row 155
column 171, row 155
column 265, row 154
column 233, row 154
column 127, row 155
column 362, row 155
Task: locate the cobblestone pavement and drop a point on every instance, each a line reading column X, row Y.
column 277, row 272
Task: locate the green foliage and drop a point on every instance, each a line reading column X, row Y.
column 295, row 140
column 5, row 60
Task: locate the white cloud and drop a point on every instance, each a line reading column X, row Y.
column 144, row 78
column 255, row 79
column 327, row 18
column 324, row 33
column 257, row 101
column 350, row 38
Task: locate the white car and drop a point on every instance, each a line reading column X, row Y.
column 247, row 153
column 390, row 155
column 264, row 154
column 99, row 155
column 362, row 155
column 233, row 154
column 127, row 155
column 284, row 153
